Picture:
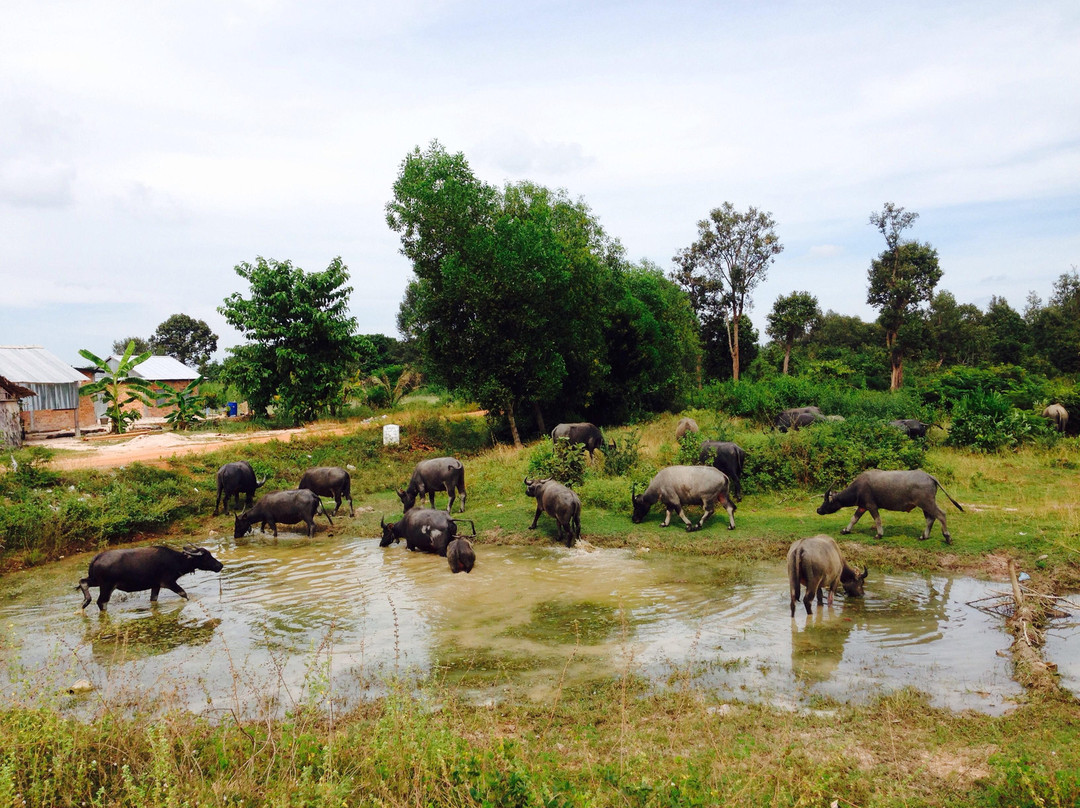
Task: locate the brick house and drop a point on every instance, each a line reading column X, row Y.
column 160, row 371
column 56, row 406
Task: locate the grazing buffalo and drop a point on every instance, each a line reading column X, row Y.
column 588, row 435
column 685, row 425
column 729, row 458
column 1057, row 415
column 913, row 427
column 558, row 502
column 329, row 481
column 426, row 529
column 817, row 564
column 460, row 555
column 890, row 491
column 286, row 507
column 133, row 569
column 797, row 417
column 675, row 487
column 438, row 474
column 234, row 479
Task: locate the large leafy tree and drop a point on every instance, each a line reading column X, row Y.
column 955, row 332
column 140, row 344
column 720, row 270
column 1055, row 328
column 509, row 285
column 1006, row 332
column 901, row 279
column 186, row 339
column 792, row 317
column 303, row 345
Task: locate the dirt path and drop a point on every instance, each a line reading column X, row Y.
column 155, row 448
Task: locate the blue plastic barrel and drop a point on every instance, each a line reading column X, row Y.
column 232, row 409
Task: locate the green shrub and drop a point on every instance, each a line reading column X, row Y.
column 563, row 461
column 987, row 422
column 621, row 460
column 828, row 455
column 454, row 436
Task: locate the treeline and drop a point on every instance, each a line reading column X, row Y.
column 521, row 302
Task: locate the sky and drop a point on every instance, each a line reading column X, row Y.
column 146, row 149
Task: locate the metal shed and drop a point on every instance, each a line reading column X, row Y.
column 54, row 382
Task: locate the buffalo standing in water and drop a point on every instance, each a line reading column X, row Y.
column 817, row 564
column 133, row 569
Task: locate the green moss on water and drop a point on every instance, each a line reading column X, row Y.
column 557, row 622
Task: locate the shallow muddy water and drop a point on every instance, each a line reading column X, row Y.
column 292, row 620
column 1063, row 644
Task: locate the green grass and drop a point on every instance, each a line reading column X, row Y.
column 610, row 742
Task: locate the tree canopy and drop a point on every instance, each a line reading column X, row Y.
column 302, row 345
column 517, row 291
column 901, row 279
column 792, row 316
column 720, row 270
column 188, row 340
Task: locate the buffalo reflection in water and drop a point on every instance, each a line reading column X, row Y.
column 158, row 631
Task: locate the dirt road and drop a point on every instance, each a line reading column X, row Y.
column 155, row 448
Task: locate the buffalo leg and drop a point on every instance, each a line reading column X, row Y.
column 104, row 593
column 154, row 590
column 337, row 503
column 729, row 506
column 879, row 530
column 667, row 517
column 855, row 518
column 462, row 508
column 84, row 585
column 310, row 527
column 536, row 516
column 172, row 586
column 685, row 518
column 938, row 514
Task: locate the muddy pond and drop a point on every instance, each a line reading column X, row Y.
column 297, row 620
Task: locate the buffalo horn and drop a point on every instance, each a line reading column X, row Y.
column 382, row 522
column 633, row 492
column 865, row 572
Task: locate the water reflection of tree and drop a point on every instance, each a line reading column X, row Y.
column 159, row 632
column 818, row 645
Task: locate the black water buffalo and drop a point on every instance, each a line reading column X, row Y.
column 817, row 564
column 558, row 502
column 329, row 481
column 286, row 507
column 133, row 569
column 685, row 425
column 913, row 427
column 797, row 417
column 1058, row 416
column 460, row 555
column 234, row 479
column 438, row 474
column 589, row 435
column 890, row 491
column 729, row 458
column 675, row 487
column 429, row 530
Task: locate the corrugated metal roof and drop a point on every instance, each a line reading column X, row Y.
column 160, row 369
column 32, row 364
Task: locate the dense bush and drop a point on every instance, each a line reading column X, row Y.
column 1015, row 384
column 828, row 455
column 987, row 422
column 562, row 462
column 453, row 436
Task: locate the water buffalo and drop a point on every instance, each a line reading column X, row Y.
column 675, row 487
column 460, row 555
column 891, row 491
column 286, row 507
column 914, row 428
column 1058, row 416
column 438, row 474
column 685, row 425
column 426, row 529
column 729, row 458
column 329, row 481
column 558, row 502
column 586, row 434
column 234, row 479
column 133, row 569
column 797, row 417
column 817, row 564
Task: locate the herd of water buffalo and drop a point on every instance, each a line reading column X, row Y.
column 815, row 563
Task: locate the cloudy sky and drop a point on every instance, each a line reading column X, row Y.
column 148, row 148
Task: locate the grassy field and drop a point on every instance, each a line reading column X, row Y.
column 613, row 742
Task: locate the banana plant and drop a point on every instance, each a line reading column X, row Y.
column 186, row 404
column 118, row 387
